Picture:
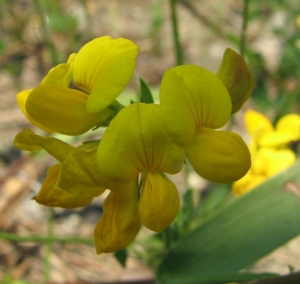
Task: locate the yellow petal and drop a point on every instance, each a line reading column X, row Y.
column 135, row 140
column 237, row 78
column 192, row 97
column 59, row 75
column 103, row 67
column 219, row 156
column 270, row 162
column 58, row 198
column 274, row 139
column 21, row 99
column 27, row 140
column 63, row 110
column 247, row 182
column 287, row 130
column 120, row 222
column 79, row 174
column 159, row 201
column 289, row 124
column 257, row 124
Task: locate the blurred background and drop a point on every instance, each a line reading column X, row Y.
column 36, row 35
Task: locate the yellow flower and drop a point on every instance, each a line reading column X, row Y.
column 101, row 70
column 136, row 142
column 76, row 180
column 194, row 103
column 269, row 148
column 72, row 183
column 141, row 143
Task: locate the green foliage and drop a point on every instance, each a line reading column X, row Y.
column 2, row 46
column 7, row 279
column 281, row 80
column 62, row 23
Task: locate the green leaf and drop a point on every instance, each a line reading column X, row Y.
column 213, row 199
column 121, row 256
column 247, row 229
column 187, row 209
column 146, row 95
column 205, row 278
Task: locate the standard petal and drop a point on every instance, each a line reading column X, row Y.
column 79, row 174
column 135, row 140
column 236, row 77
column 63, row 110
column 192, row 97
column 58, row 198
column 120, row 222
column 21, row 99
column 103, row 67
column 219, row 156
column 27, row 140
column 159, row 201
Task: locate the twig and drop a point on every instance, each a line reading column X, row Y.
column 286, row 279
column 177, row 45
column 205, row 20
column 39, row 7
column 48, row 245
column 244, row 28
column 44, row 239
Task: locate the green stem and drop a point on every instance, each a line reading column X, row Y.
column 244, row 28
column 48, row 245
column 167, row 239
column 45, row 239
column 177, row 46
column 116, row 106
column 40, row 10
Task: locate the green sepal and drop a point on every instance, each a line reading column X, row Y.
column 236, row 77
column 121, row 256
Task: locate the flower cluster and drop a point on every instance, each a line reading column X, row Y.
column 269, row 147
column 143, row 141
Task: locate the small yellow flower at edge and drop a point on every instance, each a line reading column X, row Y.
column 268, row 147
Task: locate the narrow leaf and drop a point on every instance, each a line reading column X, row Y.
column 146, row 95
column 247, row 229
column 205, row 278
